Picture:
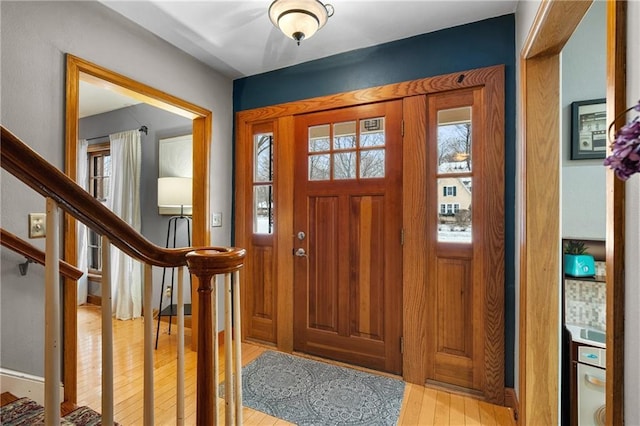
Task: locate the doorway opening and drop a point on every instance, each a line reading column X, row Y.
column 201, row 120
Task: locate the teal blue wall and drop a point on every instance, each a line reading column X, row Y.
column 476, row 45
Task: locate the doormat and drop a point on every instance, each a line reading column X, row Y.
column 307, row 392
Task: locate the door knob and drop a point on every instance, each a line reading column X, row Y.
column 300, row 252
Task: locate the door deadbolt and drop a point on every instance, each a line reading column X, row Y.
column 301, row 235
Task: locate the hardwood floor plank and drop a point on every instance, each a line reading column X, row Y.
column 487, row 414
column 428, row 408
column 443, row 404
column 456, row 410
column 420, row 406
column 412, row 400
column 504, row 416
column 472, row 412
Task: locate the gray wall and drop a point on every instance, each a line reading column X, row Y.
column 584, row 77
column 34, row 37
column 161, row 124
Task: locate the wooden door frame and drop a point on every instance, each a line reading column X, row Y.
column 79, row 69
column 539, row 162
column 414, row 270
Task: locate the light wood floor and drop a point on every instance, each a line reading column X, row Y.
column 420, row 406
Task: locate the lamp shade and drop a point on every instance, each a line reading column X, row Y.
column 175, row 191
column 299, row 19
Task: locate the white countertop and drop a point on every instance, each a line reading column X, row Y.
column 575, row 335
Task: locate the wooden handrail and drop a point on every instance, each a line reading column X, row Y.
column 37, row 173
column 28, row 166
column 33, row 253
column 24, row 163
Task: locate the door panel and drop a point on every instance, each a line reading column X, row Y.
column 323, row 289
column 453, row 307
column 367, row 217
column 348, row 285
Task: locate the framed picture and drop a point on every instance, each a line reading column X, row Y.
column 588, row 129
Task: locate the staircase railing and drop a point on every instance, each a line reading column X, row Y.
column 205, row 263
column 73, row 274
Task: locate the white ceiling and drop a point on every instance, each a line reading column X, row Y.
column 96, row 100
column 237, row 39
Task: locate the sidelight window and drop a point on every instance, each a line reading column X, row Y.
column 454, row 175
column 263, row 183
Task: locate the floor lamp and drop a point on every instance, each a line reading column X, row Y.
column 173, row 193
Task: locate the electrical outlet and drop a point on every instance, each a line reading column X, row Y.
column 37, row 225
column 216, row 219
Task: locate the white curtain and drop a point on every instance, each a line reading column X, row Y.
column 81, row 229
column 124, row 200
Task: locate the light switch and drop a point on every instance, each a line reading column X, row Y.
column 216, row 219
column 37, row 225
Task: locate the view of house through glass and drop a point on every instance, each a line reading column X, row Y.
column 455, row 175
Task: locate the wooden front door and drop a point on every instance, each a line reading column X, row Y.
column 347, row 232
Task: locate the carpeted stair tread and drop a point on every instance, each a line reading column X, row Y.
column 25, row 411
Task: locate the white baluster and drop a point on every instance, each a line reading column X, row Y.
column 180, row 384
column 52, row 317
column 237, row 339
column 216, row 358
column 107, row 335
column 148, row 346
column 228, row 358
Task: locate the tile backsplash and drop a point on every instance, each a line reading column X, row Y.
column 585, row 301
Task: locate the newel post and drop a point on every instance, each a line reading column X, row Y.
column 205, row 264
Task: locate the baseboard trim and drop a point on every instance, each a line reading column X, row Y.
column 24, row 385
column 92, row 299
column 511, row 401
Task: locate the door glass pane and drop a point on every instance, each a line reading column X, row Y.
column 319, row 138
column 263, row 157
column 319, row 167
column 263, row 183
column 372, row 163
column 344, row 135
column 372, row 132
column 263, row 209
column 344, row 166
column 454, row 140
column 454, row 209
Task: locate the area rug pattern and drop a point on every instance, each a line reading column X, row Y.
column 25, row 411
column 308, row 392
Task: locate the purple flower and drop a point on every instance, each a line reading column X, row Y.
column 625, row 148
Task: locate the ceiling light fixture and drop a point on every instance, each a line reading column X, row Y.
column 299, row 19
